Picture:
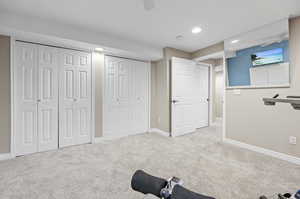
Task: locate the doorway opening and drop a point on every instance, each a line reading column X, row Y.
column 217, row 88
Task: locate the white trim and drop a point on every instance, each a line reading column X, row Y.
column 211, row 98
column 219, row 54
column 93, row 65
column 264, row 151
column 12, row 104
column 6, row 156
column 149, row 94
column 103, row 139
column 103, row 76
column 225, row 79
column 160, row 132
column 109, row 138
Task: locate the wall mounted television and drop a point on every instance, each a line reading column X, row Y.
column 267, row 57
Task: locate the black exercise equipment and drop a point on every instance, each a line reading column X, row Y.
column 167, row 189
column 147, row 184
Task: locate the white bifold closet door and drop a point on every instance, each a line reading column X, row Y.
column 52, row 98
column 126, row 97
column 75, row 98
column 36, row 98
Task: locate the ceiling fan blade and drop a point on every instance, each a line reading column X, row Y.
column 149, row 4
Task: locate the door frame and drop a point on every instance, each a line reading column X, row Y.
column 209, row 91
column 31, row 39
column 225, row 76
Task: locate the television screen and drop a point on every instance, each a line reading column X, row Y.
column 267, row 57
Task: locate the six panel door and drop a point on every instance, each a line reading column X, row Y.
column 83, row 98
column 75, row 98
column 48, row 98
column 25, row 92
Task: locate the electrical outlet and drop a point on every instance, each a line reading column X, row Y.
column 158, row 119
column 292, row 140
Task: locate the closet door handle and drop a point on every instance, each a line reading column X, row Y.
column 174, row 101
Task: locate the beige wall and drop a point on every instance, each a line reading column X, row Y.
column 250, row 121
column 154, row 94
column 208, row 50
column 4, row 94
column 98, row 60
column 159, row 102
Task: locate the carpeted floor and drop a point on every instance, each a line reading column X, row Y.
column 103, row 171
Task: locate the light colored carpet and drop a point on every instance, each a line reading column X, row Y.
column 103, row 171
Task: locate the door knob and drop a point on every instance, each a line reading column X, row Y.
column 74, row 99
column 174, row 101
column 39, row 100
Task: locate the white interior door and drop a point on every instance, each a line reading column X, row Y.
column 125, row 97
column 189, row 94
column 47, row 98
column 75, row 98
column 25, row 98
column 202, row 95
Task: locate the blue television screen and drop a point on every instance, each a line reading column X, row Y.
column 267, row 57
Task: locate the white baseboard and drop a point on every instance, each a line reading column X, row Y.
column 104, row 139
column 110, row 138
column 6, row 156
column 160, row 132
column 268, row 152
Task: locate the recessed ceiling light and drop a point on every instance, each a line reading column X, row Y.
column 196, row 30
column 99, row 49
column 235, row 41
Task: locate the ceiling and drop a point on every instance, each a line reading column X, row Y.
column 159, row 27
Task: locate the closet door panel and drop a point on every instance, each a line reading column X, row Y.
column 75, row 98
column 110, row 107
column 67, row 97
column 48, row 98
column 124, row 94
column 140, row 98
column 25, row 88
column 126, row 97
column 83, row 98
